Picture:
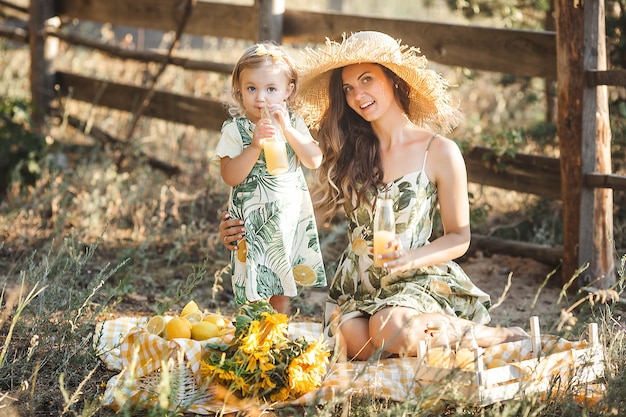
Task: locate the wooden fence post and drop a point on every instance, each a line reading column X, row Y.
column 596, row 204
column 570, row 79
column 270, row 14
column 335, row 5
column 43, row 51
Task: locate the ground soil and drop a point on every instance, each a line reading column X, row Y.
column 528, row 294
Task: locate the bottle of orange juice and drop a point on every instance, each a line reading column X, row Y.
column 275, row 149
column 384, row 228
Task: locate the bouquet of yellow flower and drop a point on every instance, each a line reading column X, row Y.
column 262, row 362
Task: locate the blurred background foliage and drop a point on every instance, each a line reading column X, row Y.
column 506, row 113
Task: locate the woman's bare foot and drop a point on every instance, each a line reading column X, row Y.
column 516, row 334
column 491, row 336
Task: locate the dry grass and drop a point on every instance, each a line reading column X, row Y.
column 90, row 242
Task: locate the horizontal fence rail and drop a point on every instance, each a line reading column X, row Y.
column 516, row 52
column 489, row 49
column 476, row 47
column 196, row 111
column 610, row 77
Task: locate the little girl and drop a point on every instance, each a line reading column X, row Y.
column 281, row 246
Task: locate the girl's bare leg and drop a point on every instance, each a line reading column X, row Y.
column 280, row 303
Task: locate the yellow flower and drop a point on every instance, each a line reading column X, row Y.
column 306, row 370
column 267, row 382
column 273, row 328
column 250, row 343
column 260, row 358
column 265, row 364
column 281, row 395
column 262, row 362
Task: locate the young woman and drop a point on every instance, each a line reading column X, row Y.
column 381, row 116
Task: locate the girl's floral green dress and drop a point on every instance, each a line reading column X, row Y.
column 281, row 248
column 360, row 289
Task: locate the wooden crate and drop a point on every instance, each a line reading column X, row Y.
column 547, row 372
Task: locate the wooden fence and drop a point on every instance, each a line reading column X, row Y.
column 584, row 187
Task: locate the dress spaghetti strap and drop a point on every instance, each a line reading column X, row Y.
column 427, row 148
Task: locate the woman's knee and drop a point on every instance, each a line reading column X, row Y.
column 356, row 338
column 397, row 318
column 387, row 328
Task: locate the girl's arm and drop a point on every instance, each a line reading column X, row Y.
column 305, row 147
column 309, row 153
column 235, row 170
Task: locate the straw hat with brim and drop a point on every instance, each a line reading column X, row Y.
column 430, row 100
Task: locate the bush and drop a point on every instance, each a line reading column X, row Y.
column 21, row 149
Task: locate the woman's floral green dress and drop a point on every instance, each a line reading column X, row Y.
column 281, row 246
column 360, row 289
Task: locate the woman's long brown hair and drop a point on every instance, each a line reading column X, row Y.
column 352, row 169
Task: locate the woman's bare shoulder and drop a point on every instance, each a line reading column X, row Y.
column 444, row 147
column 444, row 157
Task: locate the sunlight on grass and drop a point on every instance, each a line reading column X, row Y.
column 22, row 303
column 90, row 241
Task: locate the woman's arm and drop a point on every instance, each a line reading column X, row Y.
column 446, row 168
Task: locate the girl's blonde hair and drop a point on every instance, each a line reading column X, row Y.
column 265, row 53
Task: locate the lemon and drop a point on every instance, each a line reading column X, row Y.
column 216, row 319
column 178, row 327
column 193, row 317
column 190, row 307
column 440, row 288
column 304, row 275
column 495, row 363
column 156, row 325
column 359, row 246
column 242, row 250
column 204, row 330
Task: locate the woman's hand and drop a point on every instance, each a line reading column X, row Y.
column 398, row 259
column 231, row 230
column 438, row 251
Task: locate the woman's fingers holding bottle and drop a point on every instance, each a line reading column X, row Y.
column 394, row 259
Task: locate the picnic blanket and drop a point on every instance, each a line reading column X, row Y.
column 148, row 363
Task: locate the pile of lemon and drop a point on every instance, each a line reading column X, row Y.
column 192, row 323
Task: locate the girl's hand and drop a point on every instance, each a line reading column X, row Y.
column 264, row 129
column 280, row 114
column 231, row 230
